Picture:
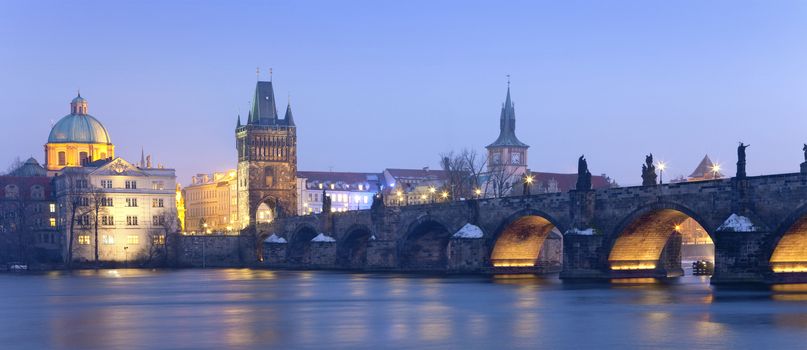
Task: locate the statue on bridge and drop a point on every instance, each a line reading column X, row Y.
column 741, row 160
column 583, row 175
column 804, row 165
column 326, row 202
column 648, row 171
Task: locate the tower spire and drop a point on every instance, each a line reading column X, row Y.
column 142, row 158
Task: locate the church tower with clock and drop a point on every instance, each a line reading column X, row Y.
column 507, row 156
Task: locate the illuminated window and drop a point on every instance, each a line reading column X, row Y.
column 109, row 240
column 366, row 199
column 320, row 186
column 132, row 239
column 331, row 186
column 52, row 222
column 52, row 208
column 84, row 239
column 361, row 187
column 158, row 239
column 62, row 158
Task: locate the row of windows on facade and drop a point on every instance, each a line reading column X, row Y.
column 339, row 185
column 11, row 224
column 130, row 239
column 109, row 202
column 13, row 191
column 338, row 197
column 37, row 208
column 206, row 211
column 208, row 194
column 109, row 220
column 83, row 158
column 128, row 184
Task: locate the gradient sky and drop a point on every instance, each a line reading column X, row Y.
column 392, row 84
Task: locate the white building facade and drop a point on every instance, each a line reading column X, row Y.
column 132, row 209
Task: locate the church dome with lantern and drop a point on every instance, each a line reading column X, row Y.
column 77, row 138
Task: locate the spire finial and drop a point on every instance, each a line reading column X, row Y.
column 508, row 81
column 289, row 96
column 79, row 92
column 270, row 74
column 258, row 73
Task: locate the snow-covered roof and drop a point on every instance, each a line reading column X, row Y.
column 587, row 232
column 275, row 239
column 469, row 231
column 323, row 238
column 737, row 223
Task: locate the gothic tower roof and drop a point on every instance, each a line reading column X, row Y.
column 263, row 110
column 288, row 117
column 507, row 126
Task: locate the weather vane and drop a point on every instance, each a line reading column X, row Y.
column 258, row 72
column 508, row 80
column 270, row 74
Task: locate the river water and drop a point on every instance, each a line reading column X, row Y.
column 250, row 309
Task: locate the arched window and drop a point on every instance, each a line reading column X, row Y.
column 37, row 192
column 83, row 159
column 62, row 158
column 12, row 191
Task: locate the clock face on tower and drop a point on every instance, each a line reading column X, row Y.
column 515, row 158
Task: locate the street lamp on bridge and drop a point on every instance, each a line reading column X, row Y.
column 661, row 166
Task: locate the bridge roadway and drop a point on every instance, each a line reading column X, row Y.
column 758, row 225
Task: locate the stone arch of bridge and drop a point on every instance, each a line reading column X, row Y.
column 299, row 244
column 351, row 250
column 425, row 245
column 786, row 247
column 650, row 237
column 526, row 238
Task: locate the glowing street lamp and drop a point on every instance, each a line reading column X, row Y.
column 444, row 195
column 478, row 192
column 715, row 170
column 661, row 166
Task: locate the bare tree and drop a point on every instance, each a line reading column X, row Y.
column 501, row 179
column 96, row 206
column 15, row 164
column 163, row 237
column 75, row 187
column 464, row 172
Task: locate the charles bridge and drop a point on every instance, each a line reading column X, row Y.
column 758, row 226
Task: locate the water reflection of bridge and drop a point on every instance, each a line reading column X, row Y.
column 757, row 225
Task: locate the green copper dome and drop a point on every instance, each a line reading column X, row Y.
column 78, row 126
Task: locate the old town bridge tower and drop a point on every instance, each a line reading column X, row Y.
column 267, row 160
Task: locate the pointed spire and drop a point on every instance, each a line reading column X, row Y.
column 238, row 125
column 507, row 124
column 289, row 118
column 142, row 158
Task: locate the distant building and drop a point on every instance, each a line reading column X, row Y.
column 76, row 139
column 136, row 208
column 211, row 203
column 507, row 164
column 348, row 191
column 28, row 216
column 180, row 199
column 706, row 170
column 413, row 186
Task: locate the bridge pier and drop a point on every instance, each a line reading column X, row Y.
column 740, row 257
column 583, row 257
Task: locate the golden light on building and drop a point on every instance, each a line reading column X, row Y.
column 632, row 265
column 790, row 254
column 76, row 139
column 520, row 244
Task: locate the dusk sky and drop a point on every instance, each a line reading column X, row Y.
column 391, row 85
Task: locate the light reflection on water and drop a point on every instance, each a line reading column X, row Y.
column 243, row 308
